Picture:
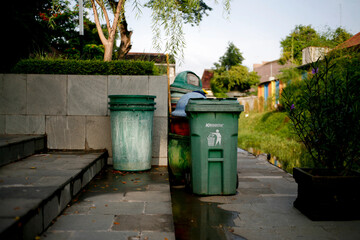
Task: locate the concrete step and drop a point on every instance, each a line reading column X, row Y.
column 15, row 147
column 36, row 190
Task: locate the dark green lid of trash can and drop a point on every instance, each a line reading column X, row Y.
column 132, row 102
column 131, row 99
column 187, row 80
column 214, row 105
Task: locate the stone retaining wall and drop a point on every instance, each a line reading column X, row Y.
column 252, row 102
column 72, row 109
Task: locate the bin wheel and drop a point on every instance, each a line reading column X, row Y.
column 237, row 181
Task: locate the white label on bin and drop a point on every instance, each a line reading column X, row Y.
column 214, row 139
column 214, row 125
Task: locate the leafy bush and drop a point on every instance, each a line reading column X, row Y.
column 72, row 53
column 292, row 77
column 326, row 113
column 218, row 91
column 93, row 51
column 236, row 78
column 85, row 67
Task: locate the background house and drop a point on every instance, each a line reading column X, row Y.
column 313, row 54
column 352, row 43
column 208, row 74
column 269, row 87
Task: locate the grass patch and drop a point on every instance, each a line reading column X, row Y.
column 270, row 132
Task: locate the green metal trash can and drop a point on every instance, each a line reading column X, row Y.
column 214, row 133
column 131, row 131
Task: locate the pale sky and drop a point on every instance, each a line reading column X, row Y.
column 256, row 27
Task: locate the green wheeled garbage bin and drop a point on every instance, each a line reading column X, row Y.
column 131, row 131
column 214, row 134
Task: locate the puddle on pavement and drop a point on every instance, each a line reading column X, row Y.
column 194, row 219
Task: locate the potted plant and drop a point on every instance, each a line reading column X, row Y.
column 325, row 112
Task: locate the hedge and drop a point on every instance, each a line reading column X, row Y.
column 85, row 67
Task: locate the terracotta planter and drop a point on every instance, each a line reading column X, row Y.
column 324, row 195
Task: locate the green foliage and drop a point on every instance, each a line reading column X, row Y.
column 42, row 26
column 61, row 24
column 332, row 38
column 232, row 57
column 326, row 114
column 230, row 75
column 193, row 15
column 93, row 51
column 292, row 78
column 84, row 67
column 71, row 53
column 270, row 132
column 218, row 91
column 306, row 36
column 289, row 74
column 237, row 78
column 161, row 70
column 170, row 17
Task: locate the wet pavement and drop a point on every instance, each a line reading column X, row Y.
column 265, row 206
column 119, row 205
column 195, row 219
column 127, row 206
column 261, row 209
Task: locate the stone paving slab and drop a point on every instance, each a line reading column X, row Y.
column 35, row 190
column 15, row 147
column 264, row 206
column 119, row 205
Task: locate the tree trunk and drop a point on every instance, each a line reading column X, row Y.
column 125, row 34
column 107, row 42
column 108, row 51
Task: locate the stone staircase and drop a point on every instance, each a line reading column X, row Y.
column 15, row 147
column 36, row 186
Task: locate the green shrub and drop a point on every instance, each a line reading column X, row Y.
column 93, row 51
column 85, row 67
column 72, row 53
column 217, row 91
column 161, row 70
column 326, row 113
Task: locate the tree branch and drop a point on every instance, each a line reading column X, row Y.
column 119, row 8
column 98, row 26
column 125, row 34
column 105, row 14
